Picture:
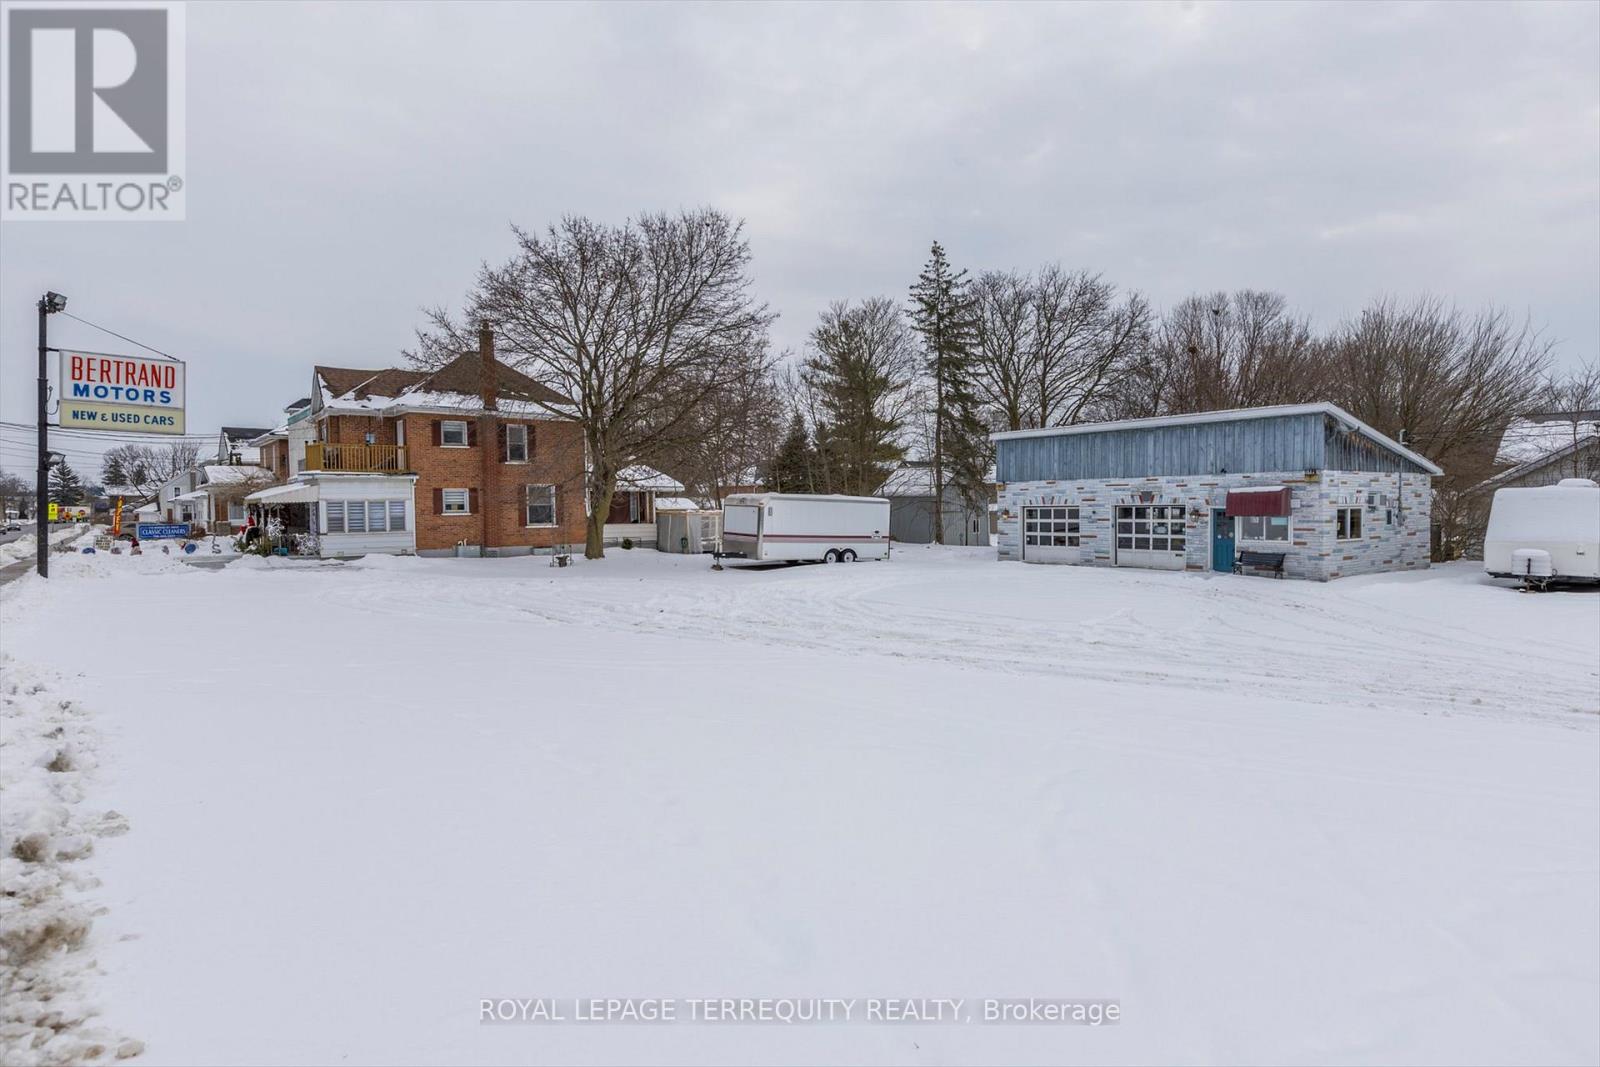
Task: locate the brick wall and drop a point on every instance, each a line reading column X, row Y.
column 555, row 458
column 1394, row 531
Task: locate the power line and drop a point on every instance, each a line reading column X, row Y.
column 120, row 336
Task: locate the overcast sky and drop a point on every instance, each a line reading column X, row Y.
column 349, row 163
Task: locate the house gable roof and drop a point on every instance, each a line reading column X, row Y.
column 456, row 385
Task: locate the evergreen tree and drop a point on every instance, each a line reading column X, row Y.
column 65, row 486
column 112, row 471
column 862, row 371
column 945, row 315
column 791, row 467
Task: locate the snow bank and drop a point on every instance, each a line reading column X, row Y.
column 47, row 749
column 24, row 547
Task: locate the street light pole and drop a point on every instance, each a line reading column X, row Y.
column 49, row 304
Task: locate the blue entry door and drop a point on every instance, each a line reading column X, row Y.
column 1221, row 541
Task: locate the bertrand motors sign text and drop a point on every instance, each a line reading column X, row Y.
column 129, row 393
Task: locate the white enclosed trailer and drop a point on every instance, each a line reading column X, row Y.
column 790, row 527
column 1545, row 533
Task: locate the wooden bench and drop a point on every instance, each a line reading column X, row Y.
column 1262, row 561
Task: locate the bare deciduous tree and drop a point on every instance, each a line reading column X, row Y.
column 1220, row 351
column 147, row 467
column 1572, row 398
column 1050, row 344
column 639, row 324
column 1444, row 381
column 732, row 432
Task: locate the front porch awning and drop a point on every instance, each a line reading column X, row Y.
column 287, row 493
column 1259, row 500
column 193, row 494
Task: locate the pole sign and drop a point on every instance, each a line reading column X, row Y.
column 132, row 394
column 54, row 513
column 163, row 531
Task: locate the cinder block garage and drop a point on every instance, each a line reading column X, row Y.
column 1303, row 491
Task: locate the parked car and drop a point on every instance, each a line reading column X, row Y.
column 1545, row 534
column 13, row 526
column 803, row 527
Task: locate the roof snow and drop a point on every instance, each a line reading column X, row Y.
column 226, row 474
column 1536, row 437
column 639, row 478
column 456, row 386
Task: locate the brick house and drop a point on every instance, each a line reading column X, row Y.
column 473, row 458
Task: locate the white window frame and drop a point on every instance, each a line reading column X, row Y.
column 1040, row 524
column 527, row 507
column 1151, row 527
column 516, row 430
column 466, row 502
column 336, row 516
column 1267, row 525
column 1345, row 518
column 444, row 433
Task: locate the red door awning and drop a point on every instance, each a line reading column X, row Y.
column 1267, row 500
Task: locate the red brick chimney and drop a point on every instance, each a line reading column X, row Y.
column 488, row 373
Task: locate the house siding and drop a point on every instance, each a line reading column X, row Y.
column 1303, row 442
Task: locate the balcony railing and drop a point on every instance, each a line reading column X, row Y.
column 376, row 459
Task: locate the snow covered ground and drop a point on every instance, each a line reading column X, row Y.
column 1276, row 822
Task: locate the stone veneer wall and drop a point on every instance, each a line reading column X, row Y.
column 1394, row 531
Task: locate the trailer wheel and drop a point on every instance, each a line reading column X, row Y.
column 830, row 556
column 847, row 556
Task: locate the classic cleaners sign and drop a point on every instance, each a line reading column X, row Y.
column 128, row 393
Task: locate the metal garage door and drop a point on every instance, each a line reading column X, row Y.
column 1151, row 535
column 1050, row 535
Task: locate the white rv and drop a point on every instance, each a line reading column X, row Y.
column 794, row 527
column 1546, row 533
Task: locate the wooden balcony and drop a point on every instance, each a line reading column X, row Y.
column 363, row 459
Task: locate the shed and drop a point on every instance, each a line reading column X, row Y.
column 688, row 530
column 909, row 489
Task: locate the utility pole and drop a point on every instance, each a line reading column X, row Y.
column 49, row 304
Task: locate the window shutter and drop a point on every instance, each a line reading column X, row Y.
column 500, row 434
column 438, row 436
column 532, row 431
column 438, row 494
column 555, row 505
column 472, row 501
column 472, row 433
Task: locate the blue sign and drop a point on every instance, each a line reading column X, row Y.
column 162, row 531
